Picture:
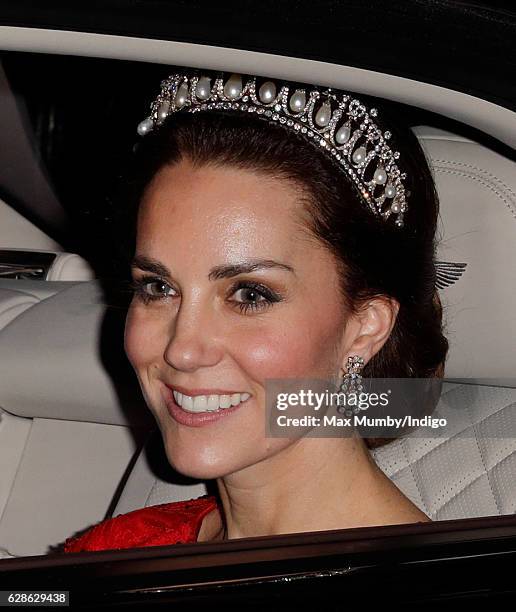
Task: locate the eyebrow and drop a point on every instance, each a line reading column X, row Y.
column 148, row 264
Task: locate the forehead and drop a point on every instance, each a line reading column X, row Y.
column 216, row 205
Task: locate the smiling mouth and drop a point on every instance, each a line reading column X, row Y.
column 209, row 403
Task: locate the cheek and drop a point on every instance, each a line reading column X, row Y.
column 294, row 351
column 143, row 337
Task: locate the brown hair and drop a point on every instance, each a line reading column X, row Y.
column 377, row 258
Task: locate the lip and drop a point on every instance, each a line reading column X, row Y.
column 191, row 419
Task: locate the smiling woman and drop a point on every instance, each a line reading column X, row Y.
column 257, row 254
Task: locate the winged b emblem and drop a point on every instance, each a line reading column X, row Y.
column 448, row 272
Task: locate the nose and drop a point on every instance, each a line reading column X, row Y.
column 193, row 336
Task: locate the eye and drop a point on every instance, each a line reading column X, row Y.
column 258, row 296
column 149, row 288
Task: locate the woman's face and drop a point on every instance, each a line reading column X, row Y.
column 212, row 328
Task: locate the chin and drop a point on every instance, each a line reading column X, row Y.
column 195, row 460
column 198, row 472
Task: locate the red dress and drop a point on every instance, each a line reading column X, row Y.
column 172, row 523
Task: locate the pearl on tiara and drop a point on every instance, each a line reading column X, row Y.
column 338, row 123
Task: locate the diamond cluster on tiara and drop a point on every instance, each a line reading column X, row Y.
column 333, row 120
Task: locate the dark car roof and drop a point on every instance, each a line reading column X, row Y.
column 463, row 45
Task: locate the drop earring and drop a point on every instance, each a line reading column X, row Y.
column 351, row 383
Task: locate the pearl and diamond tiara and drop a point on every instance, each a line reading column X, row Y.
column 339, row 123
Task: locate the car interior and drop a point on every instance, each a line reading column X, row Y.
column 77, row 442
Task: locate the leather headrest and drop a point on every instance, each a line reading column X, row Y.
column 63, row 358
column 477, row 190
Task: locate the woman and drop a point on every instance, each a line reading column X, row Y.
column 260, row 253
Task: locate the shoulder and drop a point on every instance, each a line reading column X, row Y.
column 170, row 523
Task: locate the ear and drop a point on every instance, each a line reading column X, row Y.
column 367, row 331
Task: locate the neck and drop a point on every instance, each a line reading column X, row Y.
column 314, row 484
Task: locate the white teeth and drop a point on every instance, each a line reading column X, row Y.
column 199, row 403
column 213, row 402
column 187, row 403
column 209, row 403
column 225, row 401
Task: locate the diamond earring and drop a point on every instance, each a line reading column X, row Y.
column 351, row 383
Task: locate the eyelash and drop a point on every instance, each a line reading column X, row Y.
column 270, row 297
column 138, row 287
